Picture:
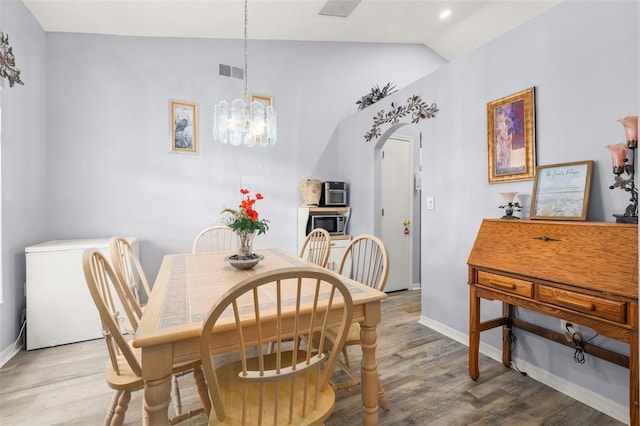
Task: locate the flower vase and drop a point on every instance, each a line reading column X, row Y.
column 244, row 258
column 245, row 244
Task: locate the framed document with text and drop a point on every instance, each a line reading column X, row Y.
column 561, row 191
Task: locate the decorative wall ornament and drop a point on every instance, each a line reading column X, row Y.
column 418, row 109
column 375, row 95
column 8, row 68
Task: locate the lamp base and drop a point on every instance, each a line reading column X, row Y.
column 620, row 218
column 509, row 217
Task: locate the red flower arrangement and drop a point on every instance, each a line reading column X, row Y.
column 246, row 218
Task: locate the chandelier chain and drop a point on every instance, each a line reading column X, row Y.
column 246, row 37
column 242, row 121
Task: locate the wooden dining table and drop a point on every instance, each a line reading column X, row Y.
column 186, row 288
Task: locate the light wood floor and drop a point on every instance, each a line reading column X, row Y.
column 424, row 373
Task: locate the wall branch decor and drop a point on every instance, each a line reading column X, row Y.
column 416, row 107
column 8, row 68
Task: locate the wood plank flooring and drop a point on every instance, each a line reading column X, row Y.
column 424, row 374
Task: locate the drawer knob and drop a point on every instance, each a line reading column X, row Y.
column 545, row 239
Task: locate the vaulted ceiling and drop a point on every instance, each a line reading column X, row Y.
column 470, row 23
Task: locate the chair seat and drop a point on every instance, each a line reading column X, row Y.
column 126, row 380
column 231, row 391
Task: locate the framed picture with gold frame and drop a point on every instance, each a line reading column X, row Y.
column 511, row 137
column 266, row 100
column 184, row 127
column 561, row 191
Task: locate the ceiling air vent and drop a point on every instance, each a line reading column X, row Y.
column 340, row 8
column 229, row 71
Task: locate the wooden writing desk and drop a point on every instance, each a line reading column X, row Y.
column 187, row 287
column 583, row 272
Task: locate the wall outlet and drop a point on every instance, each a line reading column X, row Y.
column 568, row 328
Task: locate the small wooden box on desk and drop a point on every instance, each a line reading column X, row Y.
column 583, row 272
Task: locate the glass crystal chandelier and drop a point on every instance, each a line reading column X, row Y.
column 244, row 122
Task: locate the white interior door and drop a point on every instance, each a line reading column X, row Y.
column 397, row 208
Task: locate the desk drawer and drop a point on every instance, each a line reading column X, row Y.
column 603, row 308
column 507, row 284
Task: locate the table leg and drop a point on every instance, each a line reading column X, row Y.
column 369, row 367
column 158, row 366
column 157, row 395
column 474, row 332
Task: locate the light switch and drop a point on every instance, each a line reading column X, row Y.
column 430, row 203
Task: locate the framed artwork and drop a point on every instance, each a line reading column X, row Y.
column 184, row 127
column 561, row 191
column 266, row 100
column 511, row 137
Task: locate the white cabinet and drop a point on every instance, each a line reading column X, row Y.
column 59, row 307
column 338, row 242
column 338, row 247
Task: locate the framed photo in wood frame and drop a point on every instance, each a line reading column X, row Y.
column 511, row 137
column 184, row 127
column 561, row 191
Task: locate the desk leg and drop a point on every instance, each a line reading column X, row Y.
column 507, row 313
column 474, row 332
column 157, row 383
column 634, row 392
column 369, row 366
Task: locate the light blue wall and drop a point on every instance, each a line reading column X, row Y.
column 582, row 57
column 109, row 170
column 104, row 167
column 23, row 160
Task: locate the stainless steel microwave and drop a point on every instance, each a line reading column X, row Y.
column 333, row 194
column 335, row 224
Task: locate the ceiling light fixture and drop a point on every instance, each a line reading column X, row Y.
column 244, row 122
column 445, row 14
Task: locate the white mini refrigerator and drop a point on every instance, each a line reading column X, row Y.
column 59, row 306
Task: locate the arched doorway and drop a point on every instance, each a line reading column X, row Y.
column 401, row 145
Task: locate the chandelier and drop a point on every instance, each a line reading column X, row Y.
column 244, row 122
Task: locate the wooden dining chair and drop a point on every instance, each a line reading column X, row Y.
column 365, row 260
column 123, row 370
column 317, row 247
column 128, row 269
column 215, row 238
column 290, row 385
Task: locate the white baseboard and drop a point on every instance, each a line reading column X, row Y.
column 9, row 352
column 587, row 397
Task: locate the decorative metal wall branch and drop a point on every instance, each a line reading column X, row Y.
column 8, row 68
column 418, row 109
